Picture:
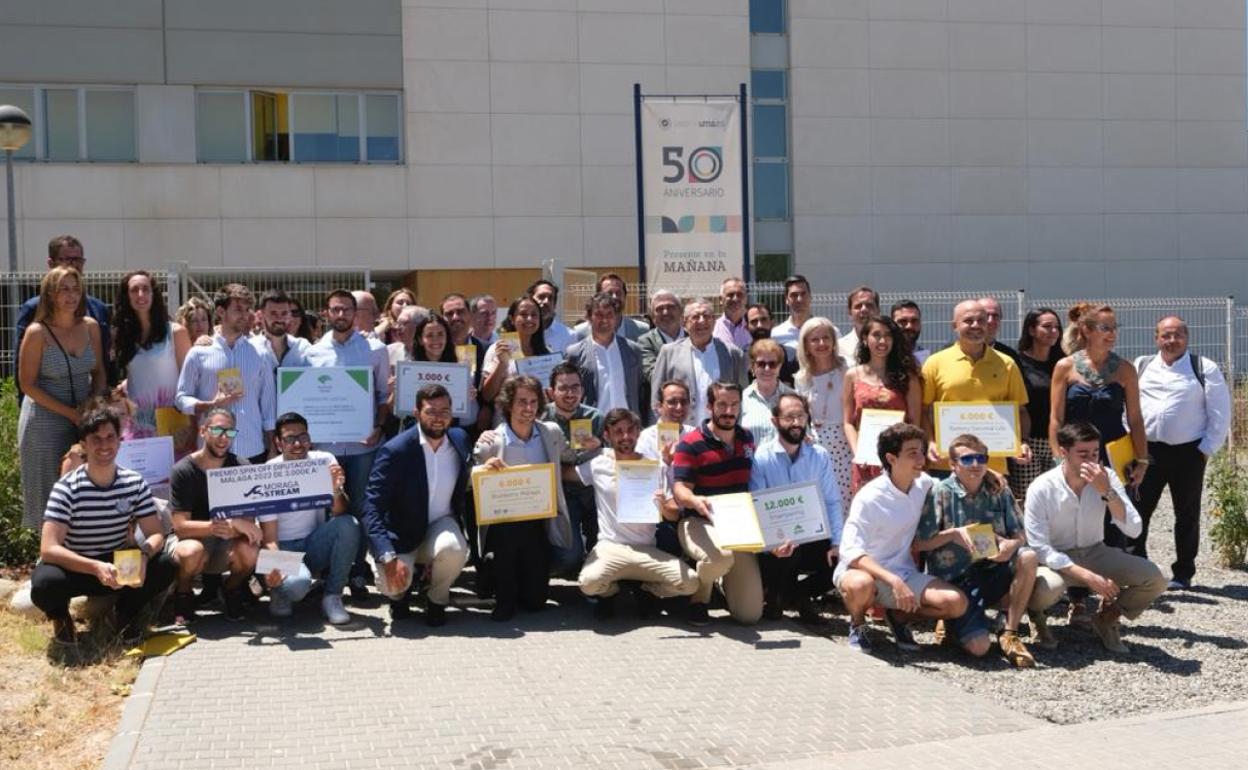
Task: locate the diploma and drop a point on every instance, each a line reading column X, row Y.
column 581, row 431
column 513, row 339
column 984, row 539
column 870, row 425
column 337, row 401
column 254, row 490
column 285, row 562
column 995, row 424
column 668, row 432
column 516, row 493
column 736, row 523
column 411, row 376
column 129, row 564
column 171, row 422
column 467, row 354
column 795, row 513
column 151, row 458
column 230, row 381
column 539, row 367
column 636, row 481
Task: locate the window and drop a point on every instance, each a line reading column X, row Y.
column 771, row 190
column 767, row 16
column 73, row 124
column 768, row 84
column 771, row 144
column 773, row 267
column 60, row 124
column 298, row 126
column 110, row 125
column 770, row 131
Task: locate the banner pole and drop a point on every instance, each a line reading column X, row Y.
column 745, row 184
column 641, row 193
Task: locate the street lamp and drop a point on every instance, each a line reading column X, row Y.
column 14, row 134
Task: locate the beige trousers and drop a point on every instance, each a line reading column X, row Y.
column 743, row 584
column 445, row 548
column 660, row 573
column 1139, row 580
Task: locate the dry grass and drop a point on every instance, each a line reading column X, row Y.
column 52, row 716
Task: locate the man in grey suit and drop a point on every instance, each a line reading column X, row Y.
column 698, row 359
column 610, row 365
column 665, row 310
column 629, row 328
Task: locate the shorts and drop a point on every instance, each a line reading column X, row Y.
column 985, row 584
column 916, row 581
column 216, row 554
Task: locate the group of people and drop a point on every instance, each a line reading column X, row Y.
column 724, row 401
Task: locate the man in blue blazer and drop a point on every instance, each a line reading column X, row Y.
column 414, row 505
column 610, row 365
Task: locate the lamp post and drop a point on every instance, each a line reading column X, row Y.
column 14, row 134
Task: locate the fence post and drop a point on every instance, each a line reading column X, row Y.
column 173, row 287
column 1020, row 311
column 1230, row 369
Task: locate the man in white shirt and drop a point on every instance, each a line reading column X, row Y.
column 626, row 551
column 862, row 303
column 328, row 544
column 797, row 299
column 875, row 564
column 555, row 332
column 909, row 317
column 1187, row 413
column 1065, row 522
column 610, row 365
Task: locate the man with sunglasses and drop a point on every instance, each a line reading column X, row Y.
column 972, row 496
column 328, row 543
column 208, row 546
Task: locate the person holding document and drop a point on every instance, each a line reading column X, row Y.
column 789, row 459
column 566, row 410
column 414, row 504
column 628, row 513
column 713, row 460
column 328, row 544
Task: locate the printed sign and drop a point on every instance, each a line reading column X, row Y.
column 255, row 490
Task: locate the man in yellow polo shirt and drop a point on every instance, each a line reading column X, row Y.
column 970, row 370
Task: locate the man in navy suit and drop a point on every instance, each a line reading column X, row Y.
column 414, row 504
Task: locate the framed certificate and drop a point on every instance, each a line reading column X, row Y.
column 254, row 490
column 539, row 366
column 994, row 423
column 636, row 481
column 337, row 401
column 516, row 493
column 151, row 458
column 871, row 424
column 795, row 512
column 736, row 523
column 411, row 376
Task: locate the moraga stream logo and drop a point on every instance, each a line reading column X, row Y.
column 272, row 489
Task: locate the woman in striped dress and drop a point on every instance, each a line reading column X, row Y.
column 60, row 366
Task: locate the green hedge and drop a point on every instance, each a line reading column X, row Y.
column 18, row 546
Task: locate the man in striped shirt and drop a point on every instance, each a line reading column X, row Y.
column 89, row 517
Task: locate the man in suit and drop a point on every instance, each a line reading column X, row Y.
column 629, row 328
column 413, row 506
column 698, row 360
column 610, row 365
column 665, row 310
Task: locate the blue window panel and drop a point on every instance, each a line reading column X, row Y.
column 767, row 16
column 767, row 84
column 770, row 131
column 383, row 148
column 771, row 191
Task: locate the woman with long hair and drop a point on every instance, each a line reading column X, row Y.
column 524, row 317
column 431, row 341
column 195, row 316
column 61, row 365
column 821, row 379
column 303, row 324
column 884, row 377
column 148, row 351
column 1038, row 354
column 398, row 299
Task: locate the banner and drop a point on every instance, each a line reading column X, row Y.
column 691, row 177
column 256, row 490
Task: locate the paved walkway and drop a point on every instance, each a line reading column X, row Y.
column 557, row 690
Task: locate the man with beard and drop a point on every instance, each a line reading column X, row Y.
column 731, row 326
column 907, row 315
column 274, row 338
column 863, row 302
column 555, row 332
column 790, row 459
column 758, row 320
column 206, row 545
column 414, row 502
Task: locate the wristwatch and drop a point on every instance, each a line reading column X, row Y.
column 1109, row 496
column 386, row 557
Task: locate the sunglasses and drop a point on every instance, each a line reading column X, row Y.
column 763, row 364
column 969, row 461
column 216, row 431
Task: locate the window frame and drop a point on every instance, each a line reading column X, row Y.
column 39, row 119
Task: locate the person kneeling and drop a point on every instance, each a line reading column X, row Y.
column 86, row 523
column 627, row 551
column 989, row 565
column 875, row 560
column 328, row 544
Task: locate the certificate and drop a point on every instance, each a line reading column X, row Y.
column 795, row 513
column 467, row 354
column 539, row 366
column 636, row 481
column 984, row 538
column 230, row 381
column 337, row 401
column 736, row 523
column 870, row 425
column 151, row 458
column 171, row 422
column 411, row 376
column 513, row 339
column 285, row 562
column 995, row 424
column 254, row 490
column 516, row 493
column 581, row 431
column 668, row 432
column 129, row 564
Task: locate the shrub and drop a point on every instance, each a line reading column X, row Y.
column 18, row 546
column 1228, row 492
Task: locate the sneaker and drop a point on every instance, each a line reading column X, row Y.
column 1179, row 585
column 358, row 585
column 280, row 605
column 335, row 613
column 697, row 615
column 503, row 613
column 64, row 631
column 902, row 636
column 859, row 641
column 211, row 591
column 1107, row 627
column 64, row 649
column 184, row 607
column 1041, row 634
column 234, row 609
column 132, row 634
column 399, row 609
column 435, row 614
column 604, row 608
column 773, row 611
column 1015, row 651
column 648, row 605
column 1078, row 614
column 808, row 614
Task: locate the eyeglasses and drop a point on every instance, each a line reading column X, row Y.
column 969, row 461
column 216, row 431
column 766, row 364
column 298, row 438
column 676, row 402
column 568, row 388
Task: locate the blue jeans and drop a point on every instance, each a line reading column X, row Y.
column 329, row 549
column 357, row 469
column 584, row 519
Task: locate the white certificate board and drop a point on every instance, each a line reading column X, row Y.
column 337, row 401
column 871, row 424
column 411, row 376
column 285, row 562
column 795, row 513
column 255, row 490
column 151, row 458
column 539, row 367
column 636, row 481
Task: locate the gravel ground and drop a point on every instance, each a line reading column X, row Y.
column 1190, row 649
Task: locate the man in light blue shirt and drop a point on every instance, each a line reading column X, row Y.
column 784, row 460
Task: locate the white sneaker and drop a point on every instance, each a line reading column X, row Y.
column 335, row 613
column 280, row 605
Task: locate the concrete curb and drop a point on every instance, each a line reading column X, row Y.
column 134, row 716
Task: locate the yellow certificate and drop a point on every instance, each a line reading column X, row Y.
column 517, row 493
column 581, row 431
column 736, row 523
column 984, row 539
column 994, row 423
column 668, row 432
column 230, row 381
column 129, row 564
column 467, row 354
column 513, row 338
